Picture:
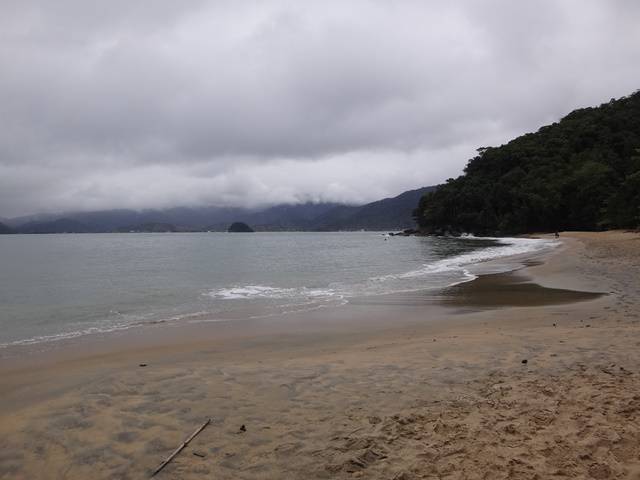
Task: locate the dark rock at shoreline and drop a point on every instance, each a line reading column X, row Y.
column 240, row 227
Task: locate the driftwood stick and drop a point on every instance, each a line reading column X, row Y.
column 180, row 448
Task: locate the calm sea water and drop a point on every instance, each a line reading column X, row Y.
column 62, row 286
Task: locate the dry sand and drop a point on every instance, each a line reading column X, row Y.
column 421, row 391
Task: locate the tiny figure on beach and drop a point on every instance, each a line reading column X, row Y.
column 557, row 235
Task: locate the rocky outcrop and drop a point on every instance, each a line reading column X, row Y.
column 239, row 227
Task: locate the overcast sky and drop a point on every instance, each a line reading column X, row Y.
column 163, row 103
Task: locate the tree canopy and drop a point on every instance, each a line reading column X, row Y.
column 582, row 173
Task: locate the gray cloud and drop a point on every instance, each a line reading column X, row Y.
column 159, row 103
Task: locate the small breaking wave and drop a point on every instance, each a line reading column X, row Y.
column 65, row 335
column 442, row 273
column 126, row 323
column 249, row 292
column 508, row 247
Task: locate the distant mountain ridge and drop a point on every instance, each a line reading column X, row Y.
column 4, row 229
column 60, row 225
column 386, row 214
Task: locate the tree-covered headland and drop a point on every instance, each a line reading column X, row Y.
column 581, row 173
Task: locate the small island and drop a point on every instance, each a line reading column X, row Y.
column 240, row 227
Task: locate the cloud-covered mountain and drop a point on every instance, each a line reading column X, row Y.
column 5, row 229
column 387, row 214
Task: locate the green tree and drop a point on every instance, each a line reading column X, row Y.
column 579, row 173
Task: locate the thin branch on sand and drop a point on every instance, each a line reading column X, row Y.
column 180, row 448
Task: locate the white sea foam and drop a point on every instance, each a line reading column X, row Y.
column 248, row 292
column 66, row 335
column 442, row 273
column 509, row 247
column 126, row 323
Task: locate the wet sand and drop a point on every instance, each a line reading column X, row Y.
column 511, row 290
column 416, row 386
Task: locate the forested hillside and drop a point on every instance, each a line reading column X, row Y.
column 582, row 173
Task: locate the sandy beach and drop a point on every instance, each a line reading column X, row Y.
column 532, row 374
